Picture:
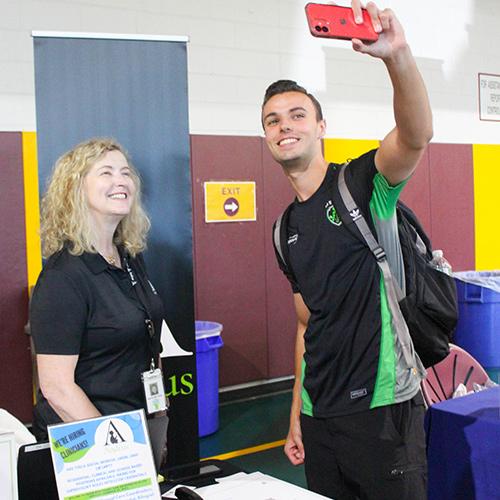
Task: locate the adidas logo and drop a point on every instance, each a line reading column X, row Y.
column 293, row 239
column 355, row 214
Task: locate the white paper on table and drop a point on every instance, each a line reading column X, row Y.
column 171, row 491
column 234, row 477
column 170, row 346
column 8, row 466
column 255, row 486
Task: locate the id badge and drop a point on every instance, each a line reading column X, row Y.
column 154, row 391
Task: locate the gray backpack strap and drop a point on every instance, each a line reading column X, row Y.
column 398, row 321
column 277, row 237
column 357, row 217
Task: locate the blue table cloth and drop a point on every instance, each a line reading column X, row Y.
column 463, row 447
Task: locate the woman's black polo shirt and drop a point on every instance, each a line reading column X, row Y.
column 83, row 306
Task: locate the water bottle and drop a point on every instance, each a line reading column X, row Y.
column 440, row 263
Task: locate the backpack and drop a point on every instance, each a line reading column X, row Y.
column 429, row 311
column 430, row 306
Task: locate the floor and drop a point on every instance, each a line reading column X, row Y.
column 251, row 435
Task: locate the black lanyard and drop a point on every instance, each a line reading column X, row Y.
column 143, row 301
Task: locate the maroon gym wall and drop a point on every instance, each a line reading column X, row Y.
column 440, row 192
column 281, row 319
column 15, row 358
column 416, row 193
column 452, row 203
column 230, row 285
column 237, row 281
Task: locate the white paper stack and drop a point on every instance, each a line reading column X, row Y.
column 254, row 486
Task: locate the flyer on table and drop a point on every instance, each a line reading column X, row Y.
column 104, row 457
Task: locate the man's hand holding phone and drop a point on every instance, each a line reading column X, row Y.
column 373, row 31
column 391, row 34
column 334, row 21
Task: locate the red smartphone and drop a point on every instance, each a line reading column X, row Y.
column 334, row 21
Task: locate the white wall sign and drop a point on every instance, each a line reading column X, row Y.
column 489, row 97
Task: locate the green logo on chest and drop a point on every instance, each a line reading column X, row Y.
column 332, row 215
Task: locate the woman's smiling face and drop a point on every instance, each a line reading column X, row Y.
column 109, row 187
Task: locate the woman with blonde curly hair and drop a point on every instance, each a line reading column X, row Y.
column 95, row 317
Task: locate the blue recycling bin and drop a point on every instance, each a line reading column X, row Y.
column 478, row 327
column 208, row 343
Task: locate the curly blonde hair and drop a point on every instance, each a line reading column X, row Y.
column 64, row 211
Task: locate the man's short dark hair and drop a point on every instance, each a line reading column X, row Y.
column 282, row 86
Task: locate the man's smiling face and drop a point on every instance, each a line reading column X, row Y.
column 292, row 130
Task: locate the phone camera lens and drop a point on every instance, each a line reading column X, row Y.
column 324, row 29
column 317, row 27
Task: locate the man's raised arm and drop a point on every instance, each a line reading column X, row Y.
column 402, row 148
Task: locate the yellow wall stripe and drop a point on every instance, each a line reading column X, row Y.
column 486, row 159
column 247, row 451
column 341, row 150
column 31, row 208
